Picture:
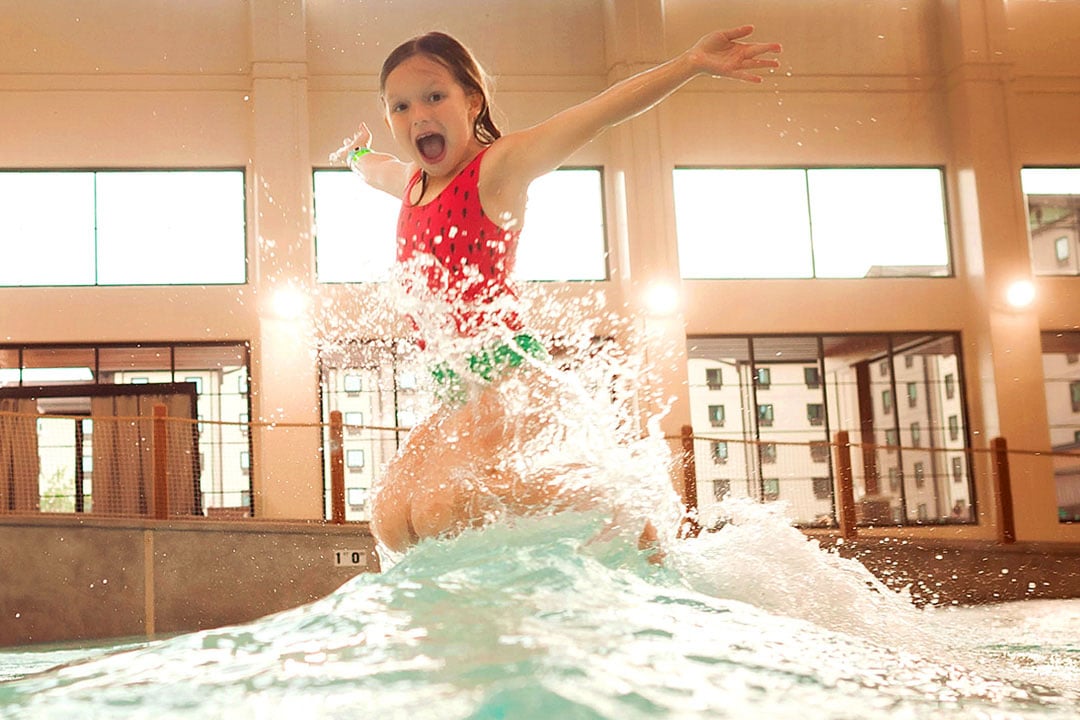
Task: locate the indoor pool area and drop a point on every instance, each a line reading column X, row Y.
column 510, row 360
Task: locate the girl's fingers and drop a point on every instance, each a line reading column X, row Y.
column 739, row 32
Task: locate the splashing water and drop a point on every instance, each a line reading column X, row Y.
column 539, row 619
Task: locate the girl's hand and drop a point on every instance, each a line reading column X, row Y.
column 362, row 137
column 720, row 55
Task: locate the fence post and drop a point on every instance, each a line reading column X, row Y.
column 690, row 527
column 999, row 472
column 337, row 469
column 161, row 463
column 845, row 486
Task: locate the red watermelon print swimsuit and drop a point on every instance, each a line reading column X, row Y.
column 449, row 248
column 459, row 253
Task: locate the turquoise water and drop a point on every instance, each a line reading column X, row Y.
column 543, row 618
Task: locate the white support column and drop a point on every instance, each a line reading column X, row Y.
column 1002, row 344
column 288, row 478
column 645, row 230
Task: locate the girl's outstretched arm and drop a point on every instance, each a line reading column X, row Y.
column 535, row 151
column 380, row 170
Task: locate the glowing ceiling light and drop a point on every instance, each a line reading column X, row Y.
column 661, row 298
column 1020, row 294
column 289, row 303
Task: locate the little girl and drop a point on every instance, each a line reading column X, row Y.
column 463, row 187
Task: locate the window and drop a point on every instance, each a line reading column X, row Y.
column 858, row 378
column 245, row 460
column 719, row 452
column 891, row 438
column 353, row 383
column 720, row 488
column 354, row 459
column 1053, row 200
column 1061, row 250
column 957, row 469
column 894, row 479
column 357, row 497
column 1074, row 395
column 353, row 422
column 244, row 423
column 822, row 488
column 764, row 378
column 716, row 415
column 920, row 475
column 812, row 377
column 347, row 250
column 806, row 223
column 912, row 394
column 564, row 237
column 1072, row 358
column 916, row 435
column 167, row 227
column 950, row 386
column 770, row 489
column 714, row 378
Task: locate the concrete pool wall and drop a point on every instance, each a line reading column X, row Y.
column 65, row 579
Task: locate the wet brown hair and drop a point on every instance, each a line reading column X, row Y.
column 456, row 58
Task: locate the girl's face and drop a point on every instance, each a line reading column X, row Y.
column 431, row 116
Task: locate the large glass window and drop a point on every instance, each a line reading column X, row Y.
column 1061, row 373
column 564, row 237
column 907, row 455
column 805, row 223
column 218, row 372
column 168, row 227
column 366, row 382
column 1053, row 200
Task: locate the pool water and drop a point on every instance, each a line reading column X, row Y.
column 549, row 618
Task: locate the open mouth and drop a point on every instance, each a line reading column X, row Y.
column 432, row 147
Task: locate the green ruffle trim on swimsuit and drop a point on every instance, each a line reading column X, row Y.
column 487, row 365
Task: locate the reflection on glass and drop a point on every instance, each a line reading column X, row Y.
column 1053, row 197
column 1061, row 373
column 909, row 459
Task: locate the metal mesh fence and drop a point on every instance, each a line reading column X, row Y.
column 142, row 466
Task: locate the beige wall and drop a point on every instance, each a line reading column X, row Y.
column 979, row 87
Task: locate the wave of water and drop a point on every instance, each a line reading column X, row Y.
column 540, row 619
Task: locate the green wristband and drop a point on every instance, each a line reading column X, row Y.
column 358, row 153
